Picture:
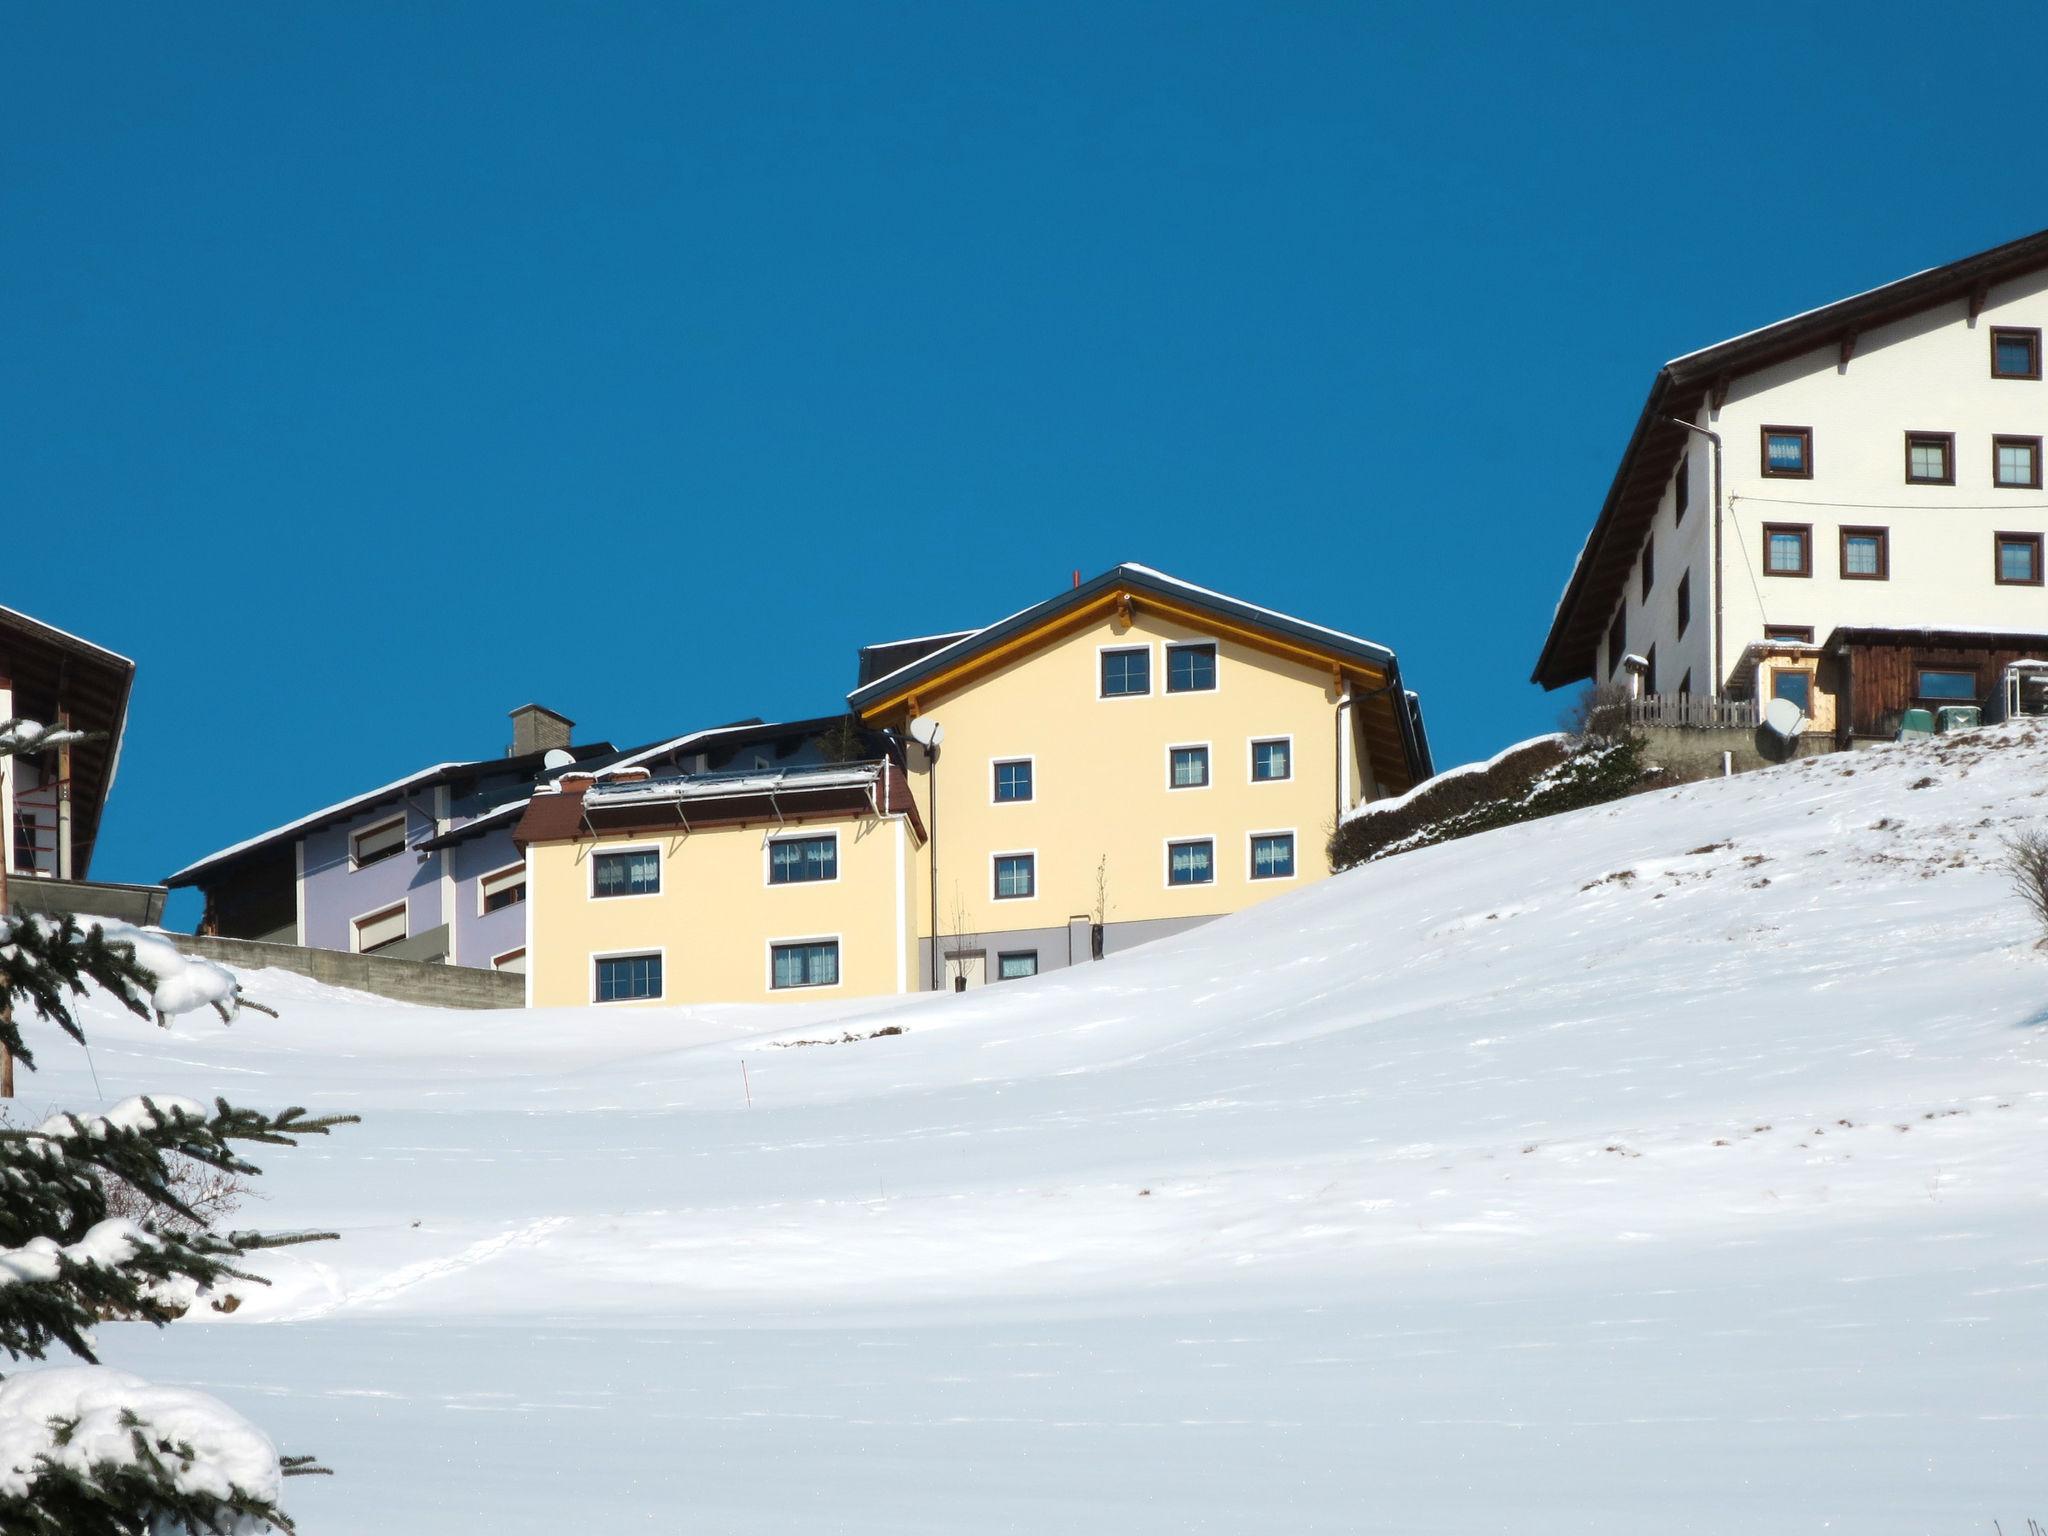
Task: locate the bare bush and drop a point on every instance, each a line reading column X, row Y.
column 1599, row 713
column 2026, row 861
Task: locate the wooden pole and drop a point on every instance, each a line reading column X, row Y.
column 6, row 1004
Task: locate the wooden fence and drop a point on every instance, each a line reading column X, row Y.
column 1693, row 711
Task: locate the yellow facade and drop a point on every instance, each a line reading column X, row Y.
column 716, row 917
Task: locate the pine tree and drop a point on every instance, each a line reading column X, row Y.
column 86, row 1451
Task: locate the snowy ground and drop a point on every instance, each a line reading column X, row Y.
column 1674, row 1166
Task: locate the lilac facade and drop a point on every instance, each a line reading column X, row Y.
column 336, row 894
column 480, row 936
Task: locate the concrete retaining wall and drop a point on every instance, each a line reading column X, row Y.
column 404, row 981
column 1693, row 752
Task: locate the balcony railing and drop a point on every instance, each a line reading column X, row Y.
column 1692, row 711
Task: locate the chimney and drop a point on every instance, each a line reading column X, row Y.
column 535, row 729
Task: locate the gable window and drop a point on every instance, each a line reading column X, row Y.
column 629, row 872
column 2015, row 352
column 1946, row 686
column 1190, row 668
column 505, row 888
column 1617, row 637
column 1187, row 767
column 1649, row 567
column 1794, row 683
column 2019, row 559
column 2016, row 463
column 800, row 860
column 375, row 844
column 814, row 963
column 1930, row 458
column 379, row 930
column 1866, row 554
column 1272, row 761
column 1273, row 856
column 1788, row 453
column 1191, row 863
column 1684, row 602
column 1681, row 490
column 1788, row 549
column 1017, row 965
column 1126, row 673
column 1795, row 634
column 624, row 978
column 1016, row 876
column 1013, row 781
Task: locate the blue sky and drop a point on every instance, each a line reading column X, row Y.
column 371, row 369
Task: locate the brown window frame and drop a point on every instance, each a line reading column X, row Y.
column 1795, row 669
column 1649, row 567
column 1788, row 634
column 1805, row 532
column 2010, row 439
column 1947, row 440
column 1998, row 541
column 1764, row 436
column 2032, row 335
column 358, row 924
column 356, row 838
column 1884, row 553
column 1922, row 666
column 1684, row 602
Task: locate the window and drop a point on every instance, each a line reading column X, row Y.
column 798, row 860
column 380, row 930
column 513, row 960
column 375, row 844
column 1272, row 761
column 1795, row 634
column 1617, row 637
column 1794, row 683
column 1126, row 674
column 1013, row 781
column 1190, row 668
column 2016, row 463
column 2015, row 353
column 1788, row 453
column 1684, row 602
column 631, row 872
column 1788, row 549
column 1016, row 876
column 1012, row 967
column 621, row 978
column 1685, row 684
column 1866, row 554
column 1273, row 856
column 1930, row 458
column 1946, row 686
column 1681, row 490
column 1191, row 863
column 504, row 888
column 1649, row 567
column 810, row 964
column 2019, row 559
column 1650, row 670
column 1187, row 767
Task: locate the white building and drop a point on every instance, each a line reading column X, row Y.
column 1845, row 508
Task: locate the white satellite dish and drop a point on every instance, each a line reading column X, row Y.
column 1784, row 719
column 927, row 732
column 556, row 760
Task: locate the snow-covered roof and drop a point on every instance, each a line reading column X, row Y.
column 715, row 786
column 305, row 823
column 64, row 634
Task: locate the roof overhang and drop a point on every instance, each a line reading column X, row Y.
column 51, row 670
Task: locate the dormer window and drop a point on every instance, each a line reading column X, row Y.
column 1788, row 453
column 2015, row 352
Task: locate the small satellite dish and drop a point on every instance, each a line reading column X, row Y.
column 927, row 732
column 556, row 760
column 1784, row 719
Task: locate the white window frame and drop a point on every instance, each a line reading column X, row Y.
column 1166, row 689
column 658, row 951
column 768, row 858
column 1168, row 844
column 994, row 891
column 498, row 961
column 1251, row 775
column 838, row 941
column 491, row 874
column 1151, row 672
column 355, row 924
column 355, row 838
column 1251, row 862
column 661, row 876
column 1207, row 748
column 1027, row 758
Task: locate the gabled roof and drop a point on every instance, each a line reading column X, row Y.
column 49, row 668
column 1686, row 383
column 891, row 655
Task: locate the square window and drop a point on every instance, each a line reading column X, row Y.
column 1788, row 453
column 1126, row 674
column 1930, row 458
column 1191, row 863
column 1947, row 686
column 505, row 888
column 1794, row 683
column 380, row 930
column 1016, row 876
column 2016, row 463
column 1273, row 856
column 621, row 978
column 1190, row 668
column 1684, row 602
column 1272, row 761
column 810, row 964
column 2019, row 559
column 1013, row 967
column 1649, row 567
column 1866, row 554
column 1788, row 549
column 2015, row 352
column 1188, row 767
column 1013, row 781
column 635, row 872
column 373, row 845
column 799, row 860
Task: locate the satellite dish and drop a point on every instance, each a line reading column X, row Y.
column 556, row 760
column 927, row 732
column 1784, row 718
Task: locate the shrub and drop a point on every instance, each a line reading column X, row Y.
column 1599, row 713
column 2026, row 861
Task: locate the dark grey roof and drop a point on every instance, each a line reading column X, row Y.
column 880, row 660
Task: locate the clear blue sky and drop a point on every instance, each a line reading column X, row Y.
column 367, row 370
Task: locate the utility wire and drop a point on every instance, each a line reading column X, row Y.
column 1902, row 506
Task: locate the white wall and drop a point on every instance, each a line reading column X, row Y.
column 1680, row 547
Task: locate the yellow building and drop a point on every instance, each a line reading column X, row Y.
column 1124, row 761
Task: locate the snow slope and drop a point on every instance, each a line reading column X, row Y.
column 1674, row 1165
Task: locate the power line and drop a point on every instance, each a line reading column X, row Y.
column 1901, row 506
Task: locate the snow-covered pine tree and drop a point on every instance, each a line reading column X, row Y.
column 87, row 1451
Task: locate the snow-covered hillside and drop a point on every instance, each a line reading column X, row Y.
column 1673, row 1166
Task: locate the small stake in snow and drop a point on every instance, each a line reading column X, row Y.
column 745, row 1084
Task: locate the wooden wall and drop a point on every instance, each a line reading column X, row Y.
column 1881, row 680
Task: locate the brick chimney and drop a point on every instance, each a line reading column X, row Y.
column 535, row 729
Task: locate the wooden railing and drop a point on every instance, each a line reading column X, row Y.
column 1693, row 712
